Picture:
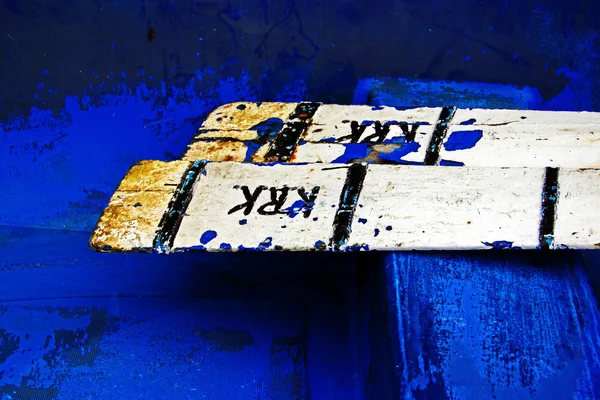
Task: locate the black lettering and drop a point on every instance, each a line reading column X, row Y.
column 309, row 200
column 250, row 199
column 357, row 130
column 410, row 135
column 381, row 132
column 276, row 201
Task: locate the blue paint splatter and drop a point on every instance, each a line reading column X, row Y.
column 320, row 245
column 376, row 232
column 225, row 246
column 388, row 228
column 376, row 108
column 450, row 163
column 397, row 154
column 267, row 129
column 500, row 245
column 295, row 208
column 462, row 140
column 265, row 244
column 362, row 220
column 353, row 151
column 207, row 236
column 469, row 122
column 243, row 221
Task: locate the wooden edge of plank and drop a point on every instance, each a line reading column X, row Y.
column 132, row 218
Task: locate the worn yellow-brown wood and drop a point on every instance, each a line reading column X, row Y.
column 134, row 212
column 216, row 151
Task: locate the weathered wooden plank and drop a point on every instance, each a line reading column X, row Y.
column 239, row 206
column 575, row 227
column 385, row 135
column 523, row 138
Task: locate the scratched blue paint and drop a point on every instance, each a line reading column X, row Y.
column 501, row 245
column 243, row 221
column 208, row 236
column 354, row 151
column 463, row 140
column 362, row 220
column 470, row 121
column 225, row 246
column 399, row 153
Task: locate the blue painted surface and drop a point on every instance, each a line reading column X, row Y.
column 495, row 325
column 84, row 95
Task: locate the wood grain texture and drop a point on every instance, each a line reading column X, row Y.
column 242, row 206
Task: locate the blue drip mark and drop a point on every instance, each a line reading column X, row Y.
column 376, row 232
column 462, row 140
column 450, row 163
column 358, row 247
column 225, row 246
column 266, row 130
column 353, row 151
column 469, row 122
column 500, row 245
column 362, row 220
column 207, row 236
column 243, row 221
column 296, row 208
column 397, row 154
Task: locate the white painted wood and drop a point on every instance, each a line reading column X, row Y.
column 215, row 195
column 412, row 207
column 399, row 208
column 509, row 138
column 578, row 209
column 524, row 138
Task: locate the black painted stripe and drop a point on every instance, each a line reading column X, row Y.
column 549, row 198
column 171, row 220
column 342, row 223
column 441, row 128
column 285, row 143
